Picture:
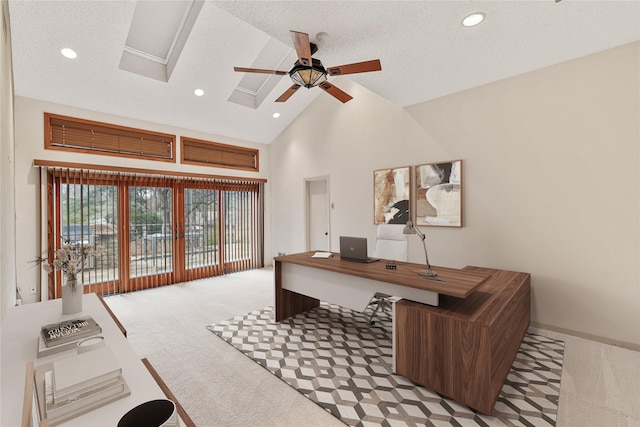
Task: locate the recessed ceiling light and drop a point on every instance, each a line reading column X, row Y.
column 275, row 115
column 68, row 53
column 473, row 19
column 198, row 92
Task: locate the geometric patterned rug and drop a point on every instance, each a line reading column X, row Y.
column 336, row 359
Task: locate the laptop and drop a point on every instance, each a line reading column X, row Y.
column 354, row 249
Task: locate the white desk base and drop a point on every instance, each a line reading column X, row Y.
column 349, row 291
column 345, row 290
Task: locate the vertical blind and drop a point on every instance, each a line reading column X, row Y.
column 152, row 230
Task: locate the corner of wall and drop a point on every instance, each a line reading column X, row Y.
column 7, row 169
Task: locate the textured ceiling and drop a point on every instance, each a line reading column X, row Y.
column 425, row 52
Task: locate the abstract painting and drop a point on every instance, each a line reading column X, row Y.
column 391, row 195
column 439, row 194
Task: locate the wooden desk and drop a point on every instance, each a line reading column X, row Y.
column 464, row 348
column 20, row 329
column 461, row 347
column 301, row 281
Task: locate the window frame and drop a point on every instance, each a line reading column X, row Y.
column 224, row 149
column 112, row 130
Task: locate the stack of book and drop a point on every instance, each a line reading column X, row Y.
column 81, row 383
column 65, row 335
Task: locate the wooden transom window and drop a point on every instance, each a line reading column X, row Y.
column 207, row 153
column 69, row 133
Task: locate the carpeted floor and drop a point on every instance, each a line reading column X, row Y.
column 336, row 359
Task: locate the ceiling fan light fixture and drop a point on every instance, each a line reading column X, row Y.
column 310, row 72
column 473, row 19
column 308, row 76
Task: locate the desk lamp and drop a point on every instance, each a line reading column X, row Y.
column 411, row 229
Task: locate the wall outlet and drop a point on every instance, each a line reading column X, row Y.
column 281, row 254
column 32, row 290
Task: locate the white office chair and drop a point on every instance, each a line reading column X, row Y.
column 391, row 245
column 391, row 242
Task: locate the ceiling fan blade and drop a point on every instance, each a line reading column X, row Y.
column 303, row 47
column 358, row 67
column 335, row 92
column 258, row 70
column 287, row 93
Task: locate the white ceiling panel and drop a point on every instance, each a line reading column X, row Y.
column 424, row 51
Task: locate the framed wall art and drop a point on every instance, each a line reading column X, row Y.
column 438, row 194
column 392, row 195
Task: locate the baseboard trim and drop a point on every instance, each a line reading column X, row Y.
column 540, row 328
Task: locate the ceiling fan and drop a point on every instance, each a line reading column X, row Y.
column 309, row 72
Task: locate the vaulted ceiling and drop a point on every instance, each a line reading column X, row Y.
column 424, row 50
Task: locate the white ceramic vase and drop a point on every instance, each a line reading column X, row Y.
column 72, row 297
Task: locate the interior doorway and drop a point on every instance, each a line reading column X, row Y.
column 317, row 214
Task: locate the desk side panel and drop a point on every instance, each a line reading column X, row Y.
column 464, row 349
column 413, row 348
column 470, row 358
column 293, row 303
column 507, row 317
column 444, row 354
column 289, row 303
column 508, row 330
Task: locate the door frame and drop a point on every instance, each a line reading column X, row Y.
column 307, row 209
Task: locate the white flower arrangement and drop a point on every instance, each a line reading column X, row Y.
column 71, row 260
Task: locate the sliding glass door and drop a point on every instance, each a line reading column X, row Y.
column 239, row 229
column 154, row 231
column 88, row 216
column 151, row 237
column 202, row 232
column 222, row 229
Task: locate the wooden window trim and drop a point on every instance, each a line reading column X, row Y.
column 116, row 131
column 187, row 143
column 139, row 171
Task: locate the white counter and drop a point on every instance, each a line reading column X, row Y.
column 19, row 341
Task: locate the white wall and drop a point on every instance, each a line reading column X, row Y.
column 346, row 142
column 29, row 134
column 550, row 179
column 7, row 154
